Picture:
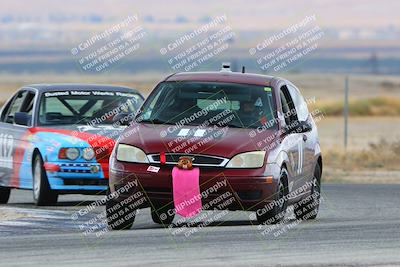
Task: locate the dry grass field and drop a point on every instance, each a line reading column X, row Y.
column 363, row 131
column 373, row 152
column 324, row 88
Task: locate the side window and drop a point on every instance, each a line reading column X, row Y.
column 15, row 106
column 149, row 111
column 135, row 102
column 5, row 111
column 288, row 107
column 29, row 101
column 300, row 104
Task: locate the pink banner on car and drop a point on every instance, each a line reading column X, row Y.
column 186, row 189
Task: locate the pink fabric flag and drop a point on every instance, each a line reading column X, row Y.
column 187, row 198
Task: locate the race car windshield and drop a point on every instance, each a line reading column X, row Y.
column 205, row 103
column 83, row 107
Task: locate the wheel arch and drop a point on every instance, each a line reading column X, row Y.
column 35, row 152
column 320, row 164
column 286, row 181
column 284, row 165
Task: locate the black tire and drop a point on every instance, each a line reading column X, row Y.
column 42, row 193
column 119, row 216
column 307, row 209
column 276, row 212
column 163, row 214
column 4, row 194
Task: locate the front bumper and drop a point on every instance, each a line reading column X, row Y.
column 245, row 189
column 77, row 177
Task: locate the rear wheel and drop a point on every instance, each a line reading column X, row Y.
column 42, row 193
column 4, row 194
column 307, row 209
column 119, row 216
column 275, row 212
column 163, row 214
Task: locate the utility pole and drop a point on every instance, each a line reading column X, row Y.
column 346, row 110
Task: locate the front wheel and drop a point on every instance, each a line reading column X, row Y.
column 163, row 214
column 275, row 211
column 42, row 193
column 4, row 194
column 119, row 216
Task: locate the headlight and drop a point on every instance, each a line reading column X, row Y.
column 69, row 153
column 253, row 159
column 88, row 153
column 131, row 154
column 72, row 153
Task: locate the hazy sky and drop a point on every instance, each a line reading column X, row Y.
column 246, row 14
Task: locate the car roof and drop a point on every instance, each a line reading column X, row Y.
column 222, row 76
column 80, row 87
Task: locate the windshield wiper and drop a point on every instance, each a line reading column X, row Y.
column 226, row 125
column 155, row 121
column 233, row 126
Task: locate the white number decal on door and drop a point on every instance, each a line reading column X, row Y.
column 300, row 162
column 6, row 151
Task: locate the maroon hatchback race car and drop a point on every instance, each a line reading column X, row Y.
column 251, row 137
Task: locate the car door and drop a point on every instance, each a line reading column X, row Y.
column 293, row 142
column 308, row 138
column 12, row 139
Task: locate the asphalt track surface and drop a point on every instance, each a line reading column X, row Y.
column 358, row 225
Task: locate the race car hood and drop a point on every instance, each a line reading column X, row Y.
column 102, row 139
column 103, row 130
column 224, row 142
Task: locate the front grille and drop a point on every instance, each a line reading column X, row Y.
column 79, row 168
column 198, row 160
column 85, row 182
column 158, row 190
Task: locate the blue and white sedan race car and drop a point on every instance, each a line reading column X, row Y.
column 57, row 138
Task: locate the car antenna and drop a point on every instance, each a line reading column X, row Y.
column 243, row 69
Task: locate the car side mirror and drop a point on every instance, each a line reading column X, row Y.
column 22, row 118
column 298, row 127
column 122, row 119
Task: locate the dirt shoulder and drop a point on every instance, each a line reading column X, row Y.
column 361, row 177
